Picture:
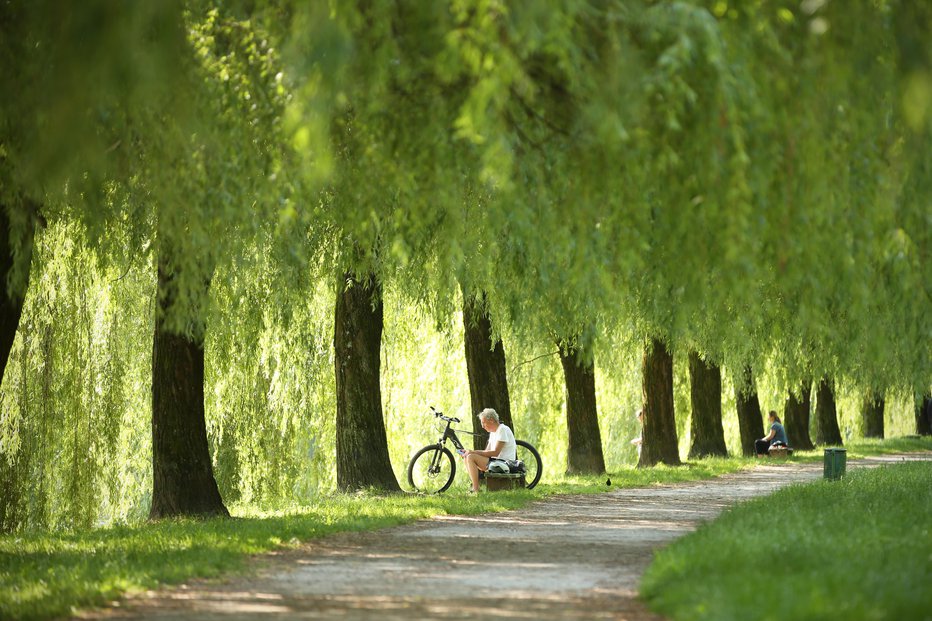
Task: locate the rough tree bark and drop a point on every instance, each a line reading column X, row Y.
column 796, row 417
column 485, row 366
column 826, row 415
column 872, row 408
column 658, row 442
column 11, row 303
column 705, row 392
column 362, row 444
column 924, row 416
column 584, row 454
column 750, row 417
column 182, row 474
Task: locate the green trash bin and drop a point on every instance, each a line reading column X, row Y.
column 835, row 460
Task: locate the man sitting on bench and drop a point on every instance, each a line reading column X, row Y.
column 776, row 437
column 501, row 446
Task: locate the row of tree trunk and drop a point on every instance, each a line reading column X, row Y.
column 183, row 481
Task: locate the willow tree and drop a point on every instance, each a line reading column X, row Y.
column 696, row 170
column 796, row 414
column 644, row 146
column 238, row 98
column 750, row 417
column 872, row 408
column 705, row 390
column 843, row 310
column 393, row 197
column 584, row 441
column 17, row 230
column 63, row 146
column 55, row 146
column 826, row 414
column 485, row 365
column 95, row 131
column 362, row 447
column 183, row 479
column 658, row 440
column 908, row 259
column 923, row 415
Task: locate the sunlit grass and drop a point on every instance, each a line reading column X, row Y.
column 853, row 549
column 44, row 575
column 868, row 447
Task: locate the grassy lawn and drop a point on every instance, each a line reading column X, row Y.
column 859, row 548
column 45, row 575
column 867, row 447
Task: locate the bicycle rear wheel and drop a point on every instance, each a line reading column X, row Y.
column 432, row 469
column 532, row 461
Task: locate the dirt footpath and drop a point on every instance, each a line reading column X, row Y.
column 571, row 557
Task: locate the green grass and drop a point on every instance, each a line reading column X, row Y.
column 859, row 548
column 863, row 447
column 45, row 575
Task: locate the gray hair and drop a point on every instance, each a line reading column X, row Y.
column 489, row 414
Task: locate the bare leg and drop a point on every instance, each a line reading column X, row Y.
column 475, row 463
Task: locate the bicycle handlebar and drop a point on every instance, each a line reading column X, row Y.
column 442, row 417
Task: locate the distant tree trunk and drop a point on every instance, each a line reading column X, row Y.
column 924, row 416
column 796, row 417
column 11, row 305
column 485, row 366
column 750, row 417
column 584, row 454
column 362, row 444
column 705, row 391
column 658, row 441
column 826, row 415
column 182, row 474
column 872, row 414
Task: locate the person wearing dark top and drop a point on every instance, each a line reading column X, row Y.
column 776, row 437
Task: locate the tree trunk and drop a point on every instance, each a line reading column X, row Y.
column 872, row 414
column 705, row 391
column 826, row 415
column 182, row 474
column 924, row 416
column 362, row 444
column 11, row 305
column 750, row 417
column 485, row 366
column 584, row 454
column 796, row 417
column 658, row 442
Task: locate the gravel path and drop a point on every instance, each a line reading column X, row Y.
column 569, row 557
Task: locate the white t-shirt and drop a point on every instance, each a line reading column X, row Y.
column 504, row 434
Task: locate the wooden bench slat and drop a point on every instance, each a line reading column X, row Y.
column 495, row 481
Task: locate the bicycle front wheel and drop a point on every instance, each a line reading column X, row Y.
column 532, row 461
column 432, row 469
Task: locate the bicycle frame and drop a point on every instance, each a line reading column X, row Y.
column 448, row 434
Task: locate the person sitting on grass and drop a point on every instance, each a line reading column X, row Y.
column 776, row 437
column 501, row 445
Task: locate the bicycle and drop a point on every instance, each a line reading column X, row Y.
column 433, row 467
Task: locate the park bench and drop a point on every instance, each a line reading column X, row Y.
column 495, row 481
column 779, row 452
